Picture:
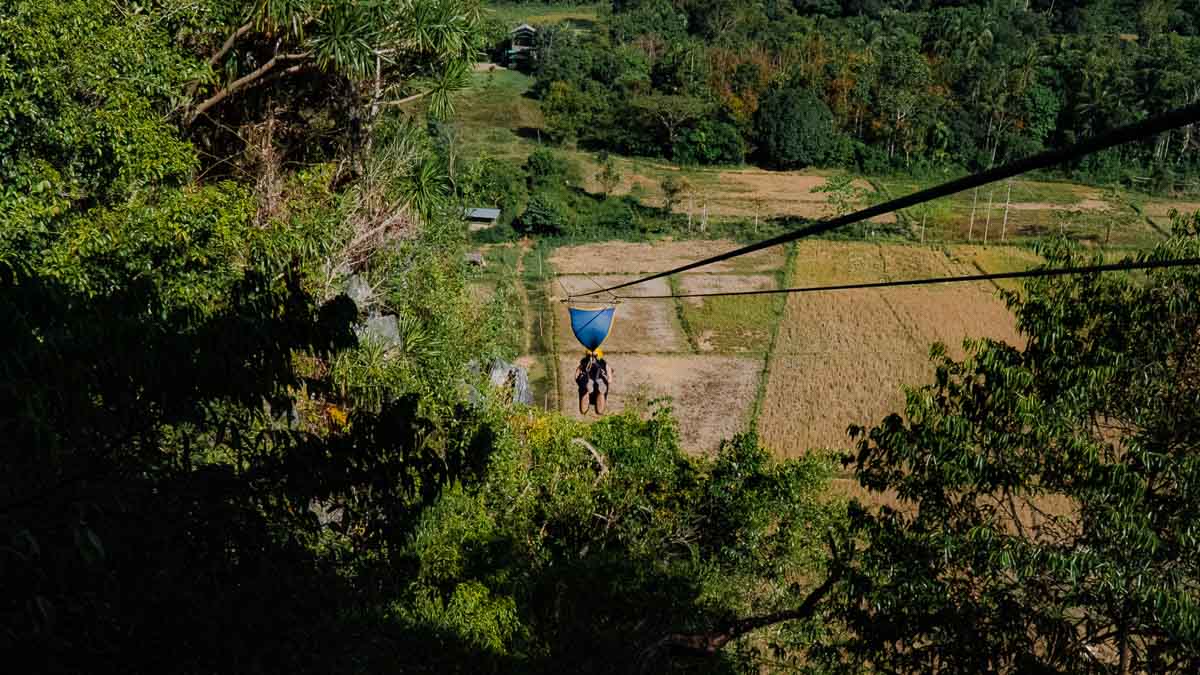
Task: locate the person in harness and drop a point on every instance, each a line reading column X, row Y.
column 593, row 375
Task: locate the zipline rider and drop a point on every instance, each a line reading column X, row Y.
column 593, row 375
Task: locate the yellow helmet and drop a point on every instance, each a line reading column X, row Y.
column 599, row 353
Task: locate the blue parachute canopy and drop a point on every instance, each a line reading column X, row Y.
column 591, row 326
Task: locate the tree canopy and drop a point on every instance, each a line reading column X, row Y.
column 909, row 86
column 1044, row 493
column 245, row 417
column 797, row 129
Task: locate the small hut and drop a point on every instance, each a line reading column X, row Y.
column 481, row 219
column 521, row 52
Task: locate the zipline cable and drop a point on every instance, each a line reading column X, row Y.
column 1167, row 121
column 1037, row 272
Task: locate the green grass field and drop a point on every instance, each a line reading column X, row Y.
column 730, row 325
column 1048, row 192
column 583, row 16
column 493, row 113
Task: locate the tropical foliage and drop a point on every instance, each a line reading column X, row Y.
column 926, row 85
column 1045, row 493
column 242, row 418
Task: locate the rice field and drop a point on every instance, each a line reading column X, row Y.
column 711, row 394
column 705, row 355
column 843, row 358
column 731, row 324
column 837, row 359
column 639, row 327
column 618, row 257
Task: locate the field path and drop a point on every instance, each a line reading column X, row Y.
column 712, row 395
column 523, row 247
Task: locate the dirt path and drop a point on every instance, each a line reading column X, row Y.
column 526, row 310
column 711, row 395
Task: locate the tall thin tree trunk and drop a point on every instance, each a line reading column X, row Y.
column 988, row 223
column 971, row 228
column 1007, row 201
column 923, row 217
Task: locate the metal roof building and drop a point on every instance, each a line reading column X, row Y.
column 482, row 214
column 481, row 218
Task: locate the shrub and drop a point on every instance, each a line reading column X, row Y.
column 710, row 142
column 546, row 168
column 615, row 215
column 547, row 213
column 794, row 128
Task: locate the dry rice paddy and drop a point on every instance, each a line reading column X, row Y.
column 618, row 257
column 639, row 326
column 712, row 385
column 712, row 394
column 998, row 260
column 839, row 358
column 842, row 358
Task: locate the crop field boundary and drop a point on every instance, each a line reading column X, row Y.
column 688, row 330
column 538, row 272
column 1149, row 221
column 784, row 276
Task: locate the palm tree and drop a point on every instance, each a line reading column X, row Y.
column 426, row 188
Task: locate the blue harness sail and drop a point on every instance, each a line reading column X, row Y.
column 591, row 326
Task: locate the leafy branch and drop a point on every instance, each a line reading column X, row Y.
column 711, row 642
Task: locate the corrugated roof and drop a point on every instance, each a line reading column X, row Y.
column 483, row 214
column 522, row 28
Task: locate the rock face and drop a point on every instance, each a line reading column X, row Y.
column 359, row 291
column 508, row 375
column 505, row 376
column 383, row 328
column 329, row 514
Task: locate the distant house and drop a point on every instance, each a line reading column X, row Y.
column 481, row 219
column 521, row 52
column 475, row 258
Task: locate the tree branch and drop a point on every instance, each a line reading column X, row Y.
column 237, row 35
column 711, row 642
column 595, row 455
column 408, row 99
column 244, row 81
column 217, row 57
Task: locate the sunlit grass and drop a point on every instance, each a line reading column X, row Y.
column 583, row 15
column 731, row 324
